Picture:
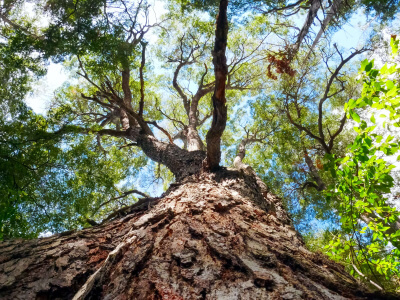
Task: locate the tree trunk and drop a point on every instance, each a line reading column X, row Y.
column 211, row 236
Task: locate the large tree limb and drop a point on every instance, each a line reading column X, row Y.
column 241, row 152
column 320, row 185
column 312, row 13
column 20, row 28
column 218, row 124
column 333, row 11
column 143, row 62
column 180, row 162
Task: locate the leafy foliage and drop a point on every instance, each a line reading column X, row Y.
column 370, row 236
column 53, row 180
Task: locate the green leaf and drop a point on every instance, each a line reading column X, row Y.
column 355, row 116
column 394, row 44
column 364, row 63
column 351, row 104
column 392, row 93
column 389, row 84
column 373, row 119
column 369, row 66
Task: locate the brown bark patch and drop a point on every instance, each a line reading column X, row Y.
column 207, row 238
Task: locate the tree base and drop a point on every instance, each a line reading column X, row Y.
column 213, row 236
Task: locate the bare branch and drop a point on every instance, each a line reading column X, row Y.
column 314, row 172
column 178, row 88
column 332, row 138
column 366, row 278
column 141, row 103
column 306, row 130
column 123, row 195
column 202, row 77
column 98, row 101
column 328, row 87
column 85, row 75
column 329, row 16
column 284, row 8
column 170, row 118
column 161, row 129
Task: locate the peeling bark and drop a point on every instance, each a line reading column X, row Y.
column 212, row 236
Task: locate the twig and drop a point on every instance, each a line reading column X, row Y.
column 365, row 277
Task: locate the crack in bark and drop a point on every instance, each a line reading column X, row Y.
column 244, row 252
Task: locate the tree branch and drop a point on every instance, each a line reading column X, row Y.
column 20, row 28
column 286, row 7
column 141, row 103
column 178, row 88
column 312, row 13
column 161, row 129
column 123, row 195
column 306, row 130
column 218, row 99
column 326, row 93
column 329, row 16
column 366, row 278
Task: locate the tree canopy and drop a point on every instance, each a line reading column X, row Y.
column 158, row 91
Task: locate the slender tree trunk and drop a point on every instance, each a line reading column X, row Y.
column 211, row 236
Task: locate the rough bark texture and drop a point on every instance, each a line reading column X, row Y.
column 218, row 124
column 212, row 236
column 181, row 162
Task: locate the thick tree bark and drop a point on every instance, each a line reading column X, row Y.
column 211, row 236
column 220, row 116
column 179, row 161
